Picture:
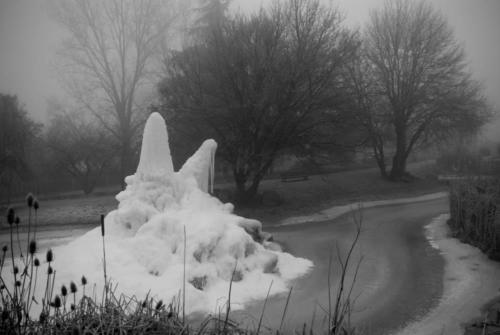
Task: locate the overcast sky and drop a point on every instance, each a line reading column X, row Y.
column 28, row 40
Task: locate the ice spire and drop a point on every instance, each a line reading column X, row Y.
column 155, row 158
column 201, row 166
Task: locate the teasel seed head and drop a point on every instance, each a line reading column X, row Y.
column 57, row 302
column 84, row 281
column 29, row 199
column 50, row 270
column 36, row 262
column 36, row 204
column 72, row 287
column 18, row 283
column 16, row 270
column 72, row 307
column 5, row 248
column 17, row 220
column 159, row 305
column 64, row 291
column 50, row 256
column 11, row 215
column 32, row 247
column 102, row 225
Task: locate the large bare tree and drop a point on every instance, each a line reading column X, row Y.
column 371, row 113
column 413, row 76
column 260, row 85
column 108, row 58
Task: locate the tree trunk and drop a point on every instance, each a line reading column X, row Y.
column 125, row 159
column 378, row 152
column 247, row 195
column 252, row 190
column 87, row 187
column 382, row 167
column 244, row 194
column 398, row 169
column 240, row 179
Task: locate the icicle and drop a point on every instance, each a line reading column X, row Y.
column 201, row 166
column 211, row 172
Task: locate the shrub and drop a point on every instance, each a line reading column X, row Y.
column 475, row 213
column 459, row 160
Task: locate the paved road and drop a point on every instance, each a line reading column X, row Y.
column 400, row 278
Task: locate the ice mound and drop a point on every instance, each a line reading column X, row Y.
column 160, row 214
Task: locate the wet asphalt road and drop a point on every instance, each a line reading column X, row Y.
column 400, row 277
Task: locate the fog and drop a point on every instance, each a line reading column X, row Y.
column 29, row 39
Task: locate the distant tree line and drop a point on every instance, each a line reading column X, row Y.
column 17, row 135
column 68, row 148
column 291, row 78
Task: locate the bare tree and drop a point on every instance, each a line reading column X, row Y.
column 79, row 147
column 413, row 77
column 108, row 58
column 260, row 85
column 211, row 13
column 370, row 111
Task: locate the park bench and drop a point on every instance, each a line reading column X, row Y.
column 293, row 176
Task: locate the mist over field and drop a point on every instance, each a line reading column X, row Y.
column 250, row 167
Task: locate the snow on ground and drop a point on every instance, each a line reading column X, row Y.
column 336, row 211
column 166, row 221
column 470, row 280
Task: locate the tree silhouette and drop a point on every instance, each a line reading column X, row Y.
column 108, row 59
column 412, row 76
column 260, row 85
column 17, row 131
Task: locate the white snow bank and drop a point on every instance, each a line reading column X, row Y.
column 336, row 211
column 470, row 280
column 160, row 213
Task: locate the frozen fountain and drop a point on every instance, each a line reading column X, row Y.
column 166, row 222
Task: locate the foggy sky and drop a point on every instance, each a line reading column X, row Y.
column 29, row 38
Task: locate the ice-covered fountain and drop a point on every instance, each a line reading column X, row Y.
column 166, row 222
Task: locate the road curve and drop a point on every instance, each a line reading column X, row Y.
column 400, row 277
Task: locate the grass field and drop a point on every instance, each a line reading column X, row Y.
column 298, row 198
column 323, row 191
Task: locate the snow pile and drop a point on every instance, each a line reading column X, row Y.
column 161, row 213
column 470, row 280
